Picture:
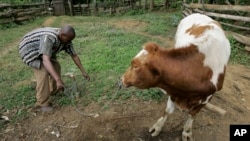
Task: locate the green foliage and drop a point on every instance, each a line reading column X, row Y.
column 21, row 1
column 19, row 31
column 160, row 24
column 135, row 12
column 238, row 53
column 6, row 26
column 175, row 19
column 154, row 94
column 177, row 4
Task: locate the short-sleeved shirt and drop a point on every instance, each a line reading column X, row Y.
column 42, row 41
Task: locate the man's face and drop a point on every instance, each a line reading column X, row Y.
column 66, row 38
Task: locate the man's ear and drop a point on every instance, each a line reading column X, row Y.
column 60, row 35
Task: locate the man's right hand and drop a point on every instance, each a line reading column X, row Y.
column 50, row 68
column 60, row 85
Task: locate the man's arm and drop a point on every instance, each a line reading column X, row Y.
column 50, row 68
column 79, row 65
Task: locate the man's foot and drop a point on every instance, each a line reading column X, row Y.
column 45, row 109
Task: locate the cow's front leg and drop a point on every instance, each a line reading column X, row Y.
column 156, row 128
column 187, row 131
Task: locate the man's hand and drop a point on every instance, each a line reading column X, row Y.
column 79, row 65
column 59, row 85
column 50, row 68
column 86, row 76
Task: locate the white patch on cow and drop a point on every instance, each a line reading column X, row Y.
column 187, row 131
column 162, row 90
column 207, row 99
column 212, row 43
column 170, row 106
column 158, row 126
column 142, row 53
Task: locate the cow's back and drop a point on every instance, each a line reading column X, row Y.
column 208, row 36
column 182, row 39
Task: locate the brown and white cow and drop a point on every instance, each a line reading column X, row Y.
column 190, row 73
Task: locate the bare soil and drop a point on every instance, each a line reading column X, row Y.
column 130, row 120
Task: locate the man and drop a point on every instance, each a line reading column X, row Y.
column 38, row 49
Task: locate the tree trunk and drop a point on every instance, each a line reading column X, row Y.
column 95, row 7
column 151, row 5
column 145, row 4
column 166, row 4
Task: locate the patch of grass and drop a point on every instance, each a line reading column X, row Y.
column 160, row 24
column 13, row 32
column 135, row 12
column 238, row 53
column 154, row 94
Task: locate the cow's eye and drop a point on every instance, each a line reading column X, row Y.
column 135, row 66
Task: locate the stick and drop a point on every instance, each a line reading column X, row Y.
column 215, row 109
column 127, row 117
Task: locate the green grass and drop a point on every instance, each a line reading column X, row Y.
column 238, row 53
column 105, row 50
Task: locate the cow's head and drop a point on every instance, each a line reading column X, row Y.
column 143, row 72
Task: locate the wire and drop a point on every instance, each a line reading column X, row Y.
column 73, row 89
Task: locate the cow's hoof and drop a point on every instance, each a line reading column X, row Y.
column 187, row 136
column 154, row 131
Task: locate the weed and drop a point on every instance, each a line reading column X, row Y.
column 154, row 94
column 238, row 53
column 135, row 12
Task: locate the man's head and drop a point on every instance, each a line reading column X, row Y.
column 66, row 34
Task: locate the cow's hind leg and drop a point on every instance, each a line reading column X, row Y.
column 156, row 128
column 187, row 131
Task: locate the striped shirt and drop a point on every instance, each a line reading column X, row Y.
column 42, row 41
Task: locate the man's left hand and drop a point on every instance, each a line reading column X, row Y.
column 86, row 76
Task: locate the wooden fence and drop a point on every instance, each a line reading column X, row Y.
column 110, row 7
column 236, row 18
column 18, row 13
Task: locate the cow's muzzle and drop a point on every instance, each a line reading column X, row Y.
column 123, row 83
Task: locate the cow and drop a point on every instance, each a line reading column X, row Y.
column 190, row 73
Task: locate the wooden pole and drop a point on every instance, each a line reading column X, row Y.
column 224, row 16
column 241, row 8
column 151, row 5
column 215, row 109
column 70, row 7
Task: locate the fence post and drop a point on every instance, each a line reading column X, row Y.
column 58, row 6
column 151, row 5
column 95, row 7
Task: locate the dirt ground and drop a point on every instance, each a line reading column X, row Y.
column 130, row 120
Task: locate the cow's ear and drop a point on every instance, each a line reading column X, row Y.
column 151, row 47
column 135, row 64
